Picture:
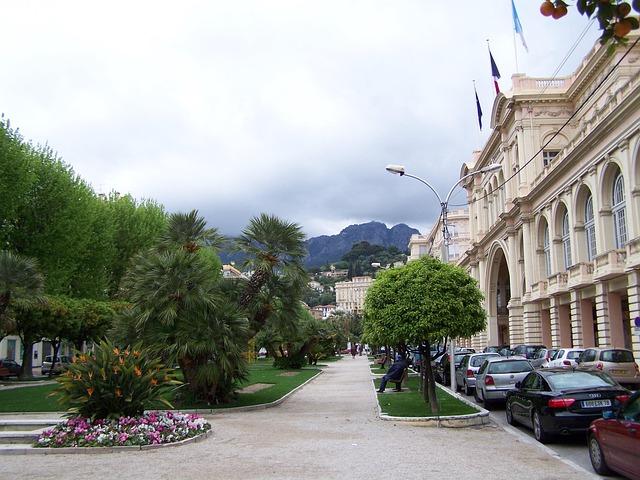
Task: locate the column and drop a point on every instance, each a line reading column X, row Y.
column 564, row 320
column 602, row 314
column 576, row 319
column 531, row 323
column 545, row 326
column 516, row 326
column 554, row 317
column 633, row 291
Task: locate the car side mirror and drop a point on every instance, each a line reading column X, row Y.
column 518, row 384
column 608, row 414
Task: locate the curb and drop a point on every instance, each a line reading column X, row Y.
column 101, row 450
column 447, row 421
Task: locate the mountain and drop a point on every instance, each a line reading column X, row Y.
column 330, row 248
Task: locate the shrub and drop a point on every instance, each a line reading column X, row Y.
column 295, row 361
column 113, row 383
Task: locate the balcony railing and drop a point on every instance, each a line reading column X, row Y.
column 610, row 264
column 580, row 275
column 558, row 283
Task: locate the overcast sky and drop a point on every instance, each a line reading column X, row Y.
column 287, row 107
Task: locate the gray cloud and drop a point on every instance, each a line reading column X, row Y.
column 288, row 107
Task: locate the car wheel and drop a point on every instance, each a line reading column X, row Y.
column 538, row 429
column 597, row 457
column 509, row 414
column 467, row 389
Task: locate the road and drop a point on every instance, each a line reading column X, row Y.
column 572, row 448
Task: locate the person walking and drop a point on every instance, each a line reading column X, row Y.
column 354, row 350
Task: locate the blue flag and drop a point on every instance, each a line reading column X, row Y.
column 517, row 25
column 478, row 108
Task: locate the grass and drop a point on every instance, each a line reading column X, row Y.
column 411, row 403
column 36, row 399
column 376, row 368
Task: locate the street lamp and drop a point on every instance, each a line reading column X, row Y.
column 446, row 237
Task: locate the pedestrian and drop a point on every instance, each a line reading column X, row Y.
column 354, row 350
column 395, row 374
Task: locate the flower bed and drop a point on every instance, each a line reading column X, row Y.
column 150, row 429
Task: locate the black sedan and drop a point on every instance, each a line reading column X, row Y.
column 558, row 401
column 9, row 367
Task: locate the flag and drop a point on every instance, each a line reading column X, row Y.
column 517, row 25
column 478, row 108
column 495, row 73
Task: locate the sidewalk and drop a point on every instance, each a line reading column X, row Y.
column 327, row 430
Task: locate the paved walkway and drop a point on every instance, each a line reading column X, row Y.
column 327, row 430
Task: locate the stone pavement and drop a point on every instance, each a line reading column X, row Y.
column 326, row 430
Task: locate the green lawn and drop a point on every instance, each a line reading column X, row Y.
column 36, row 399
column 411, row 404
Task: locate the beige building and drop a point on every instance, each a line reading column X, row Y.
column 431, row 244
column 555, row 233
column 350, row 295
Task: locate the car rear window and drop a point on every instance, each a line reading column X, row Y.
column 617, row 356
column 513, row 366
column 569, row 380
column 574, row 354
column 477, row 361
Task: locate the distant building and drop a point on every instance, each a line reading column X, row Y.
column 431, row 244
column 317, row 286
column 350, row 295
column 229, row 271
column 322, row 312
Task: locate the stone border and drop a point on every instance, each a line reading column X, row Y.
column 99, row 450
column 447, row 421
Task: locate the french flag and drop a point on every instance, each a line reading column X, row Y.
column 495, row 73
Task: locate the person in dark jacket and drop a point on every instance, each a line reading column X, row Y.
column 395, row 373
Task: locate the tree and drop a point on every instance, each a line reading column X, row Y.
column 419, row 303
column 615, row 18
column 275, row 248
column 182, row 309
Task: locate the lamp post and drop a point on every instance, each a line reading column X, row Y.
column 446, row 237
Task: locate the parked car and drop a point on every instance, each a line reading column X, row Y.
column 60, row 366
column 614, row 441
column 469, row 366
column 617, row 362
column 543, row 357
column 566, row 358
column 494, row 348
column 465, row 350
column 527, row 351
column 497, row 376
column 559, row 401
column 9, row 368
column 442, row 371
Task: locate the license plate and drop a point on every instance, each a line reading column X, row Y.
column 617, row 372
column 596, row 403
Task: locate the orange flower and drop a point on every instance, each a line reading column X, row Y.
column 136, row 353
column 116, row 351
column 116, row 370
column 121, row 360
column 118, row 392
column 77, row 377
column 154, row 381
column 126, row 353
column 83, row 358
column 90, row 391
column 137, row 372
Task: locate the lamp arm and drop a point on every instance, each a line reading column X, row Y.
column 427, row 184
column 458, row 183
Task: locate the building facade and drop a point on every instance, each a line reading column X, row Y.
column 555, row 233
column 350, row 295
column 431, row 244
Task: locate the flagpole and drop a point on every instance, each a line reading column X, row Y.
column 515, row 51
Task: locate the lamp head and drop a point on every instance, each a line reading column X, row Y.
column 396, row 169
column 491, row 168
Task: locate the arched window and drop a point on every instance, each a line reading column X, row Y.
column 618, row 210
column 547, row 250
column 566, row 242
column 590, row 229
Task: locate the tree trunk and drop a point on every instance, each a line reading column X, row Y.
column 27, row 360
column 255, row 283
column 430, row 390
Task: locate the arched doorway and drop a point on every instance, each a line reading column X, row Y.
column 498, row 299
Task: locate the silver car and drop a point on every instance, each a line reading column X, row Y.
column 466, row 372
column 499, row 375
column 543, row 357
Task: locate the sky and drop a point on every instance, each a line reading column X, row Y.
column 292, row 108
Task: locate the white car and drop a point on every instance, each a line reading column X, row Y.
column 565, row 358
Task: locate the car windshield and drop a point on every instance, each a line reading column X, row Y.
column 567, row 381
column 531, row 352
column 617, row 356
column 513, row 366
column 477, row 361
column 493, row 349
column 574, row 354
column 459, row 356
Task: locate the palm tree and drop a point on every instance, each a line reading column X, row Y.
column 189, row 231
column 273, row 246
column 20, row 279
